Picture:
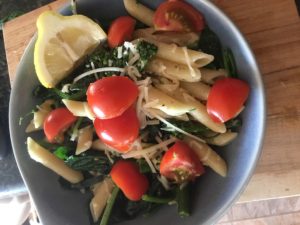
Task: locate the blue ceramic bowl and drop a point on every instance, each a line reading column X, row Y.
column 214, row 194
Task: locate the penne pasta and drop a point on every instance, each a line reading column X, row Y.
column 182, row 55
column 198, row 90
column 208, row 156
column 199, row 112
column 168, row 37
column 209, row 76
column 222, row 139
column 173, row 70
column 49, row 160
column 102, row 192
column 160, row 100
column 78, row 108
column 85, row 139
column 39, row 116
column 139, row 11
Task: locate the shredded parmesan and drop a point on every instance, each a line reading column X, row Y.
column 164, row 182
column 99, row 70
column 65, row 88
column 107, row 153
column 93, row 67
column 176, row 128
column 149, row 150
column 153, row 170
column 193, row 73
column 119, row 49
column 135, row 58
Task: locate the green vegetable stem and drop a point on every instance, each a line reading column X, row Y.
column 109, row 206
column 183, row 201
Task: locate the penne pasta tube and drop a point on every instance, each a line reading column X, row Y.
column 173, row 70
column 49, row 160
column 160, row 100
column 168, row 37
column 199, row 112
column 182, row 55
column 183, row 117
column 78, row 108
column 139, row 11
column 39, row 116
column 102, row 192
column 208, row 156
column 85, row 139
column 209, row 76
column 198, row 90
column 222, row 139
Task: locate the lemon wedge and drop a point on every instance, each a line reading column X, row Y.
column 62, row 43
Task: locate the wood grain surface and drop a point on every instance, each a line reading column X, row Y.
column 272, row 27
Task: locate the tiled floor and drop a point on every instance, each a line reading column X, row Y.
column 270, row 212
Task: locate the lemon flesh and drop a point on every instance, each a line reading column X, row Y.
column 62, row 43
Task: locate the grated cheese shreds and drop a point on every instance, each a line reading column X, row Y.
column 107, row 153
column 153, row 122
column 164, row 182
column 65, row 88
column 150, row 149
column 135, row 58
column 176, row 128
column 93, row 67
column 193, row 74
column 153, row 170
column 98, row 70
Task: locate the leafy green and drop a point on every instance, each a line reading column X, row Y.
column 111, row 58
column 234, row 124
column 89, row 162
column 190, row 126
column 61, row 152
column 210, row 44
column 229, row 62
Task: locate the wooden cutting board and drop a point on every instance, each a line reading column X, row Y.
column 272, row 27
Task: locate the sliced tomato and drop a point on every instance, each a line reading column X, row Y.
column 180, row 163
column 119, row 132
column 129, row 179
column 57, row 122
column 178, row 16
column 120, row 30
column 226, row 98
column 111, row 96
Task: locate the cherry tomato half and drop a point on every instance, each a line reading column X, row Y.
column 180, row 163
column 226, row 98
column 120, row 30
column 178, row 16
column 129, row 179
column 109, row 97
column 119, row 132
column 57, row 122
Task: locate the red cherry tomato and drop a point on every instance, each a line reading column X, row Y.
column 119, row 132
column 109, row 97
column 129, row 179
column 226, row 98
column 57, row 122
column 178, row 16
column 120, row 30
column 180, row 163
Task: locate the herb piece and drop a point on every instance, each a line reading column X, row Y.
column 234, row 124
column 61, row 152
column 158, row 200
column 229, row 62
column 146, row 51
column 109, row 206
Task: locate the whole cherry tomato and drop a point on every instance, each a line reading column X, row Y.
column 226, row 98
column 120, row 30
column 180, row 163
column 119, row 132
column 109, row 97
column 129, row 179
